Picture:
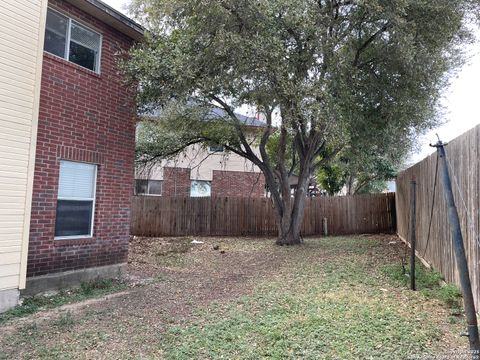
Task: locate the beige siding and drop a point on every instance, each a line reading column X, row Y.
column 202, row 164
column 22, row 25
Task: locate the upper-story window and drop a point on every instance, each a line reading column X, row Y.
column 216, row 149
column 71, row 40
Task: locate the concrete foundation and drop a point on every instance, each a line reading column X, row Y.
column 8, row 299
column 62, row 280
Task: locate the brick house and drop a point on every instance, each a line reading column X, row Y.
column 84, row 164
column 205, row 172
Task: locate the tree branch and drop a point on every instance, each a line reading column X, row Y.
column 237, row 124
column 359, row 51
column 327, row 158
column 155, row 157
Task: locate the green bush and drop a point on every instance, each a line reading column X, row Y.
column 428, row 282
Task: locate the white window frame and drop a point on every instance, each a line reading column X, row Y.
column 66, row 52
column 94, row 199
column 148, row 188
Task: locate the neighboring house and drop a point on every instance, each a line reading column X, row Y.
column 85, row 147
column 201, row 171
column 22, row 26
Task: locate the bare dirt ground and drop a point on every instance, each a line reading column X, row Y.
column 172, row 279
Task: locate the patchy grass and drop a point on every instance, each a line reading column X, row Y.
column 86, row 291
column 332, row 309
column 330, row 298
column 428, row 282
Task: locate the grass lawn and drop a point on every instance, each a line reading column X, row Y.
column 330, row 298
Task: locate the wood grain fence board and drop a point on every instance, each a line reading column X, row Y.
column 236, row 216
column 463, row 154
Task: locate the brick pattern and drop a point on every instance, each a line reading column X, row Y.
column 87, row 117
column 238, row 183
column 176, row 181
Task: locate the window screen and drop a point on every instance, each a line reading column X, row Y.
column 148, row 187
column 141, row 187
column 56, row 33
column 76, row 199
column 70, row 40
column 74, row 218
column 84, row 46
column 155, row 187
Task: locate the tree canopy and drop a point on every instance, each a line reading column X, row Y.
column 326, row 74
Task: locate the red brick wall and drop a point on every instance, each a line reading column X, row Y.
column 237, row 183
column 176, row 181
column 87, row 117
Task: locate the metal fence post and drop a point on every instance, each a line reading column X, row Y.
column 413, row 236
column 459, row 248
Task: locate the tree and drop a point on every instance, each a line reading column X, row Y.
column 323, row 73
column 332, row 178
column 363, row 168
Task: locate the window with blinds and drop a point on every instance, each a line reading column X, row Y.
column 71, row 40
column 76, row 200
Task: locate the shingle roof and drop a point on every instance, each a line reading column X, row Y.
column 217, row 113
column 247, row 120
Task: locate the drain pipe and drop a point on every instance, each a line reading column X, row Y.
column 459, row 248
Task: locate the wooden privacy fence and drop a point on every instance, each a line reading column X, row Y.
column 236, row 216
column 463, row 157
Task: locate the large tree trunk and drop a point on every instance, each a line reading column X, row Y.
column 289, row 229
column 290, row 224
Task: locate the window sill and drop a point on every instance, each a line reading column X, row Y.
column 71, row 64
column 73, row 240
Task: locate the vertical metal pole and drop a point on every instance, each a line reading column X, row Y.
column 413, row 236
column 459, row 248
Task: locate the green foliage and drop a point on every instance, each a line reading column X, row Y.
column 331, row 178
column 363, row 169
column 428, row 282
column 335, row 73
column 86, row 290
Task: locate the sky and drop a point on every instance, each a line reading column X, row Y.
column 461, row 100
column 119, row 5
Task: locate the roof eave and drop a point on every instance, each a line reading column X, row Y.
column 110, row 16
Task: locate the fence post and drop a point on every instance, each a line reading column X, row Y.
column 459, row 248
column 325, row 226
column 413, row 235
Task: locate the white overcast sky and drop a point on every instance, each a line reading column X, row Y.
column 461, row 100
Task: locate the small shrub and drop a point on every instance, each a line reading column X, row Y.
column 428, row 282
column 451, row 295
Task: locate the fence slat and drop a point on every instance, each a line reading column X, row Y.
column 236, row 216
column 463, row 155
